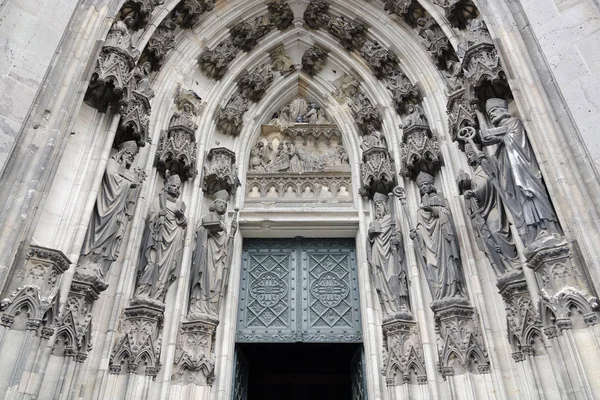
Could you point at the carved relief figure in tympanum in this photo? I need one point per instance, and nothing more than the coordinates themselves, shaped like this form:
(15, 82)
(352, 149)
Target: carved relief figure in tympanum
(386, 259)
(258, 157)
(488, 216)
(162, 243)
(212, 259)
(438, 243)
(521, 182)
(114, 207)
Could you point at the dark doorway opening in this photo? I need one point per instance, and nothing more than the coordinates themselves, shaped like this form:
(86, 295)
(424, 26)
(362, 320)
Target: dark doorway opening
(299, 371)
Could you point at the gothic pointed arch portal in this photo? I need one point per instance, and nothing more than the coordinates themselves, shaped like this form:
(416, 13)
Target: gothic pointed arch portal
(401, 131)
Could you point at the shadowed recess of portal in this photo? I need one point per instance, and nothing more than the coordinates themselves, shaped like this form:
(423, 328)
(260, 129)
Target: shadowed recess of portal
(299, 371)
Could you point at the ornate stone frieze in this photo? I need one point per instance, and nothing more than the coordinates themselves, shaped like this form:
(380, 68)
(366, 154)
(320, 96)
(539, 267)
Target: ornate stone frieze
(403, 352)
(114, 68)
(33, 291)
(382, 61)
(292, 188)
(138, 345)
(313, 60)
(139, 11)
(194, 354)
(460, 343)
(245, 36)
(377, 172)
(435, 41)
(254, 84)
(402, 90)
(220, 172)
(159, 44)
(231, 117)
(419, 149)
(481, 63)
(566, 293)
(214, 63)
(350, 33)
(281, 61)
(135, 108)
(522, 319)
(365, 114)
(188, 12)
(176, 150)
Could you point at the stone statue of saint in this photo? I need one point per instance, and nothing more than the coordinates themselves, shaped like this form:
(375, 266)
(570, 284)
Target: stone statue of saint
(373, 139)
(212, 259)
(524, 193)
(162, 243)
(485, 207)
(386, 259)
(437, 241)
(114, 207)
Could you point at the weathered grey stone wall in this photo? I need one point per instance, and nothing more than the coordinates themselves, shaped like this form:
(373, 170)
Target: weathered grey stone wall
(30, 31)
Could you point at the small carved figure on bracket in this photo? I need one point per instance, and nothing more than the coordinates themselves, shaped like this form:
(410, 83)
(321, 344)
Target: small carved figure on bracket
(212, 259)
(162, 243)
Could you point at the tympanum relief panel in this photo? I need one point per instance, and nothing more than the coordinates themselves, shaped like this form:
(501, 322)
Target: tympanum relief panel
(299, 158)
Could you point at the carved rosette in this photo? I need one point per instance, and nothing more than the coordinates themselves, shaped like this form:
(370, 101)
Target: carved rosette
(461, 113)
(33, 291)
(220, 172)
(382, 61)
(138, 345)
(159, 44)
(522, 319)
(313, 60)
(420, 152)
(564, 287)
(177, 148)
(254, 84)
(402, 90)
(188, 12)
(194, 357)
(404, 353)
(365, 114)
(114, 69)
(481, 64)
(377, 172)
(231, 117)
(460, 343)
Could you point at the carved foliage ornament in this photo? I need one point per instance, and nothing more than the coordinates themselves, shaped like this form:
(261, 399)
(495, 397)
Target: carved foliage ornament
(253, 84)
(382, 61)
(350, 33)
(458, 12)
(188, 12)
(139, 12)
(159, 44)
(313, 60)
(214, 63)
(231, 117)
(402, 90)
(365, 114)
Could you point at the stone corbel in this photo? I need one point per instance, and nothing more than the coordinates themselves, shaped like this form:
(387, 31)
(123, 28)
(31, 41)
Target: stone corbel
(220, 172)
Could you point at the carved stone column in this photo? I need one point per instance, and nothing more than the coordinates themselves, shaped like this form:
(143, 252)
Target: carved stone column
(522, 319)
(377, 172)
(194, 357)
(564, 287)
(220, 172)
(139, 340)
(404, 350)
(33, 291)
(460, 343)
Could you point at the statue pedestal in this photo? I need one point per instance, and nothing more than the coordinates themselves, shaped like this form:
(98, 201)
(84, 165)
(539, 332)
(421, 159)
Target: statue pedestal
(139, 342)
(460, 342)
(562, 282)
(194, 359)
(522, 320)
(404, 350)
(377, 172)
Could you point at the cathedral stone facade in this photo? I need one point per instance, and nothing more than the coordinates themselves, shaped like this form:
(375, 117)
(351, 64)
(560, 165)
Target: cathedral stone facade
(293, 199)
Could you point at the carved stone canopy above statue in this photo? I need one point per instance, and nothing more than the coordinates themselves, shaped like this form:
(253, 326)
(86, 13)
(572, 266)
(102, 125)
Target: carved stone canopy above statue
(220, 172)
(299, 157)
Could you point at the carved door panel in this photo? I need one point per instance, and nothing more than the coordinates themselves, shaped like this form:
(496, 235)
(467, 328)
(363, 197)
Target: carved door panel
(359, 387)
(240, 381)
(299, 290)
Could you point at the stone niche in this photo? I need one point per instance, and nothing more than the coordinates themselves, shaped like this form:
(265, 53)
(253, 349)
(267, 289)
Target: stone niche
(299, 159)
